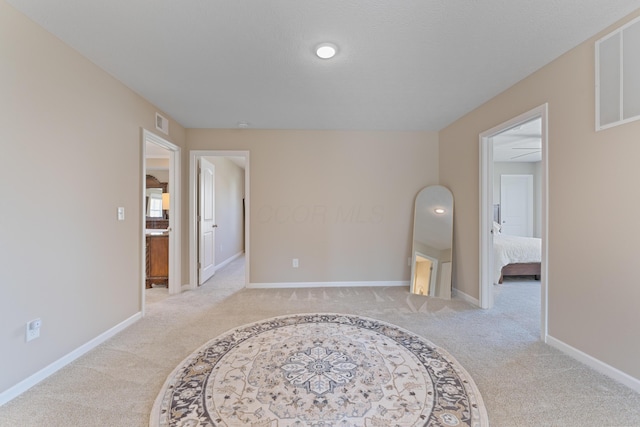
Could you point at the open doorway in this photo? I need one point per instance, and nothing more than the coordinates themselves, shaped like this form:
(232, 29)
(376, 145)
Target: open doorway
(218, 212)
(424, 278)
(160, 214)
(521, 138)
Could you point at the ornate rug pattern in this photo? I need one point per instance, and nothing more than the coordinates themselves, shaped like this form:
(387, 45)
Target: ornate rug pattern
(321, 370)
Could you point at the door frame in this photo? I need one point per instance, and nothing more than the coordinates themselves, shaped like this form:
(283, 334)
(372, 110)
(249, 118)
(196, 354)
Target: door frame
(173, 188)
(435, 265)
(194, 155)
(486, 210)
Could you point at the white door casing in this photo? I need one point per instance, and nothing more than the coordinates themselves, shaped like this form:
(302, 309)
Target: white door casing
(194, 235)
(207, 223)
(486, 211)
(174, 213)
(516, 205)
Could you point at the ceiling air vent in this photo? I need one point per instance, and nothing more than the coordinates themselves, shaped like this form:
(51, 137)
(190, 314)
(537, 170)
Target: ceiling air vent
(162, 124)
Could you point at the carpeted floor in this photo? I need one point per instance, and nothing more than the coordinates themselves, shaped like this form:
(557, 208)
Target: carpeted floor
(523, 382)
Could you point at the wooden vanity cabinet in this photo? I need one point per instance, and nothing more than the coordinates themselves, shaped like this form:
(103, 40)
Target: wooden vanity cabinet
(157, 260)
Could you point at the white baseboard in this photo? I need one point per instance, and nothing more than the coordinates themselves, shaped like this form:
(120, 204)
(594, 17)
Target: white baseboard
(468, 298)
(325, 284)
(592, 362)
(190, 287)
(34, 379)
(228, 260)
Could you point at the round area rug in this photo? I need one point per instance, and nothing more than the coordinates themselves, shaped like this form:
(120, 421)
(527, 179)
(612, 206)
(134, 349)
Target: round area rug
(322, 370)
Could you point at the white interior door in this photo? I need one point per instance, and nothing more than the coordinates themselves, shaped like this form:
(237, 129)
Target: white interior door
(206, 223)
(516, 205)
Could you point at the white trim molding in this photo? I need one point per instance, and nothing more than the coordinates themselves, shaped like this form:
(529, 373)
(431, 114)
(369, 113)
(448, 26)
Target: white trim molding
(455, 293)
(486, 210)
(598, 365)
(49, 370)
(305, 285)
(175, 221)
(228, 260)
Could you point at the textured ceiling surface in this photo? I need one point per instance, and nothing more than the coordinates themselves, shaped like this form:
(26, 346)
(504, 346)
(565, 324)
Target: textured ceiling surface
(522, 143)
(401, 65)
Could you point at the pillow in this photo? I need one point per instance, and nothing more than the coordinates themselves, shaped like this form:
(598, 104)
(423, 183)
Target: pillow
(496, 228)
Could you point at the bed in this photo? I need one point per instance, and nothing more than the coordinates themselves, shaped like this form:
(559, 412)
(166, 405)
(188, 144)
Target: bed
(514, 255)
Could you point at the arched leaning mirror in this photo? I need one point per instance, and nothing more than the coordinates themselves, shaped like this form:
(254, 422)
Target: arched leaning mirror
(432, 251)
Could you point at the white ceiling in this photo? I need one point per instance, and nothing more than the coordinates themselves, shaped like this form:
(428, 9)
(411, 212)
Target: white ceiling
(522, 143)
(410, 65)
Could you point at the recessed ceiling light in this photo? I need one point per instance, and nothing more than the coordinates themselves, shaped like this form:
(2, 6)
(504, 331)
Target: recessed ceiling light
(326, 50)
(439, 211)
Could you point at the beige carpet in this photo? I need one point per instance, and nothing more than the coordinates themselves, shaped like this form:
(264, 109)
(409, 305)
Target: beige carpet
(523, 382)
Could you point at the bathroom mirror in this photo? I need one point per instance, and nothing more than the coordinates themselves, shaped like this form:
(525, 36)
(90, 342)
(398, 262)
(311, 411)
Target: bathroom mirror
(432, 249)
(154, 202)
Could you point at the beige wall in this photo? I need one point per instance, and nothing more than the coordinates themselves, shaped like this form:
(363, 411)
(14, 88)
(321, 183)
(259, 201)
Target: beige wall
(160, 175)
(593, 207)
(63, 255)
(340, 202)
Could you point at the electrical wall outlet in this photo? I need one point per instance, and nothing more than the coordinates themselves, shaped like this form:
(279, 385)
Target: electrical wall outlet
(33, 329)
(295, 263)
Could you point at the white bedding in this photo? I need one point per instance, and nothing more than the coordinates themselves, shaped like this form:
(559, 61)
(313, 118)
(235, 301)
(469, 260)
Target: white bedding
(514, 249)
